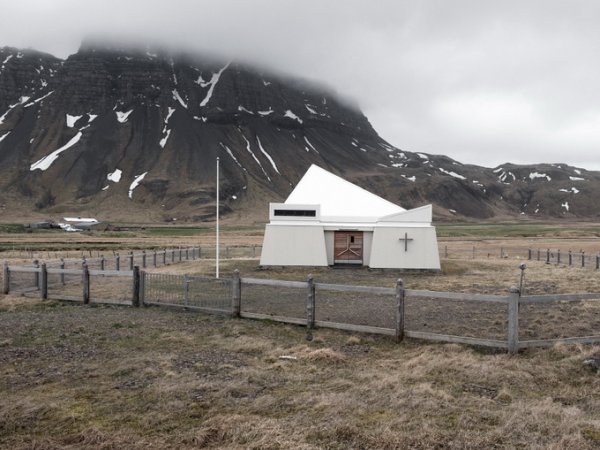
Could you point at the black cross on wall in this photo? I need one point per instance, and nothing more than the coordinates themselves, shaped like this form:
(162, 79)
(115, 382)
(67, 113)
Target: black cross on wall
(405, 239)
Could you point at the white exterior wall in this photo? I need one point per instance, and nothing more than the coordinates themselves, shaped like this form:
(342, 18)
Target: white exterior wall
(388, 251)
(329, 242)
(367, 246)
(293, 245)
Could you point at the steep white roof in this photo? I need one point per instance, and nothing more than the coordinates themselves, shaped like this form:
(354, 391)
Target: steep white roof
(339, 198)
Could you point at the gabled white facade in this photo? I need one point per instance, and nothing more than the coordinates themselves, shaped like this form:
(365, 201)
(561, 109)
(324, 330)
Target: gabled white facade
(327, 220)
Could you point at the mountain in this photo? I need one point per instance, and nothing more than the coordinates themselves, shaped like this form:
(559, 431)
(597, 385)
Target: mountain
(134, 135)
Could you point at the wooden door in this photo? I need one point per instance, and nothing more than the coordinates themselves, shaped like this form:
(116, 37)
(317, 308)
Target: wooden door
(348, 247)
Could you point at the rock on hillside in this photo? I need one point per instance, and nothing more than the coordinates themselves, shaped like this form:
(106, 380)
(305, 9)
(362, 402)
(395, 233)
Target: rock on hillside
(133, 135)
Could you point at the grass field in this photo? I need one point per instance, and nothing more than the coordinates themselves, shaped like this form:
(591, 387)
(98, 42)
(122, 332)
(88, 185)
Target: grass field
(116, 377)
(106, 377)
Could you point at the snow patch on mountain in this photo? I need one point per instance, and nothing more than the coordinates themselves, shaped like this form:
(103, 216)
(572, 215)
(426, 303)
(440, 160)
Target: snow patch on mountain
(242, 109)
(310, 110)
(310, 144)
(135, 183)
(177, 97)
(452, 174)
(47, 161)
(534, 175)
(264, 152)
(72, 119)
(212, 83)
(293, 116)
(164, 140)
(249, 150)
(573, 190)
(115, 176)
(230, 153)
(38, 99)
(123, 116)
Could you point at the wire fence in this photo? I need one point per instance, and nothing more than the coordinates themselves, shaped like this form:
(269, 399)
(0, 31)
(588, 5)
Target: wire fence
(164, 256)
(510, 321)
(565, 257)
(209, 294)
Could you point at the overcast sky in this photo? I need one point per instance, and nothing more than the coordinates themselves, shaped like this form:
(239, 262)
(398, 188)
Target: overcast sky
(483, 82)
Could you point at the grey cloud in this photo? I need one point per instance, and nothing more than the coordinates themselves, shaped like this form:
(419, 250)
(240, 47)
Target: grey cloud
(483, 82)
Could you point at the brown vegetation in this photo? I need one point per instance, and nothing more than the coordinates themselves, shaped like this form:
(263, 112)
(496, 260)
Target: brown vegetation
(108, 377)
(116, 377)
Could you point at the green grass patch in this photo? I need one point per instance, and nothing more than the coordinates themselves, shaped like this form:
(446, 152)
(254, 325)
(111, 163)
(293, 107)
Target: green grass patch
(516, 230)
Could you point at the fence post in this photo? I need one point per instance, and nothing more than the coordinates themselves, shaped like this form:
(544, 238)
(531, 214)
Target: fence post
(236, 294)
(558, 257)
(102, 261)
(86, 285)
(529, 254)
(179, 254)
(538, 254)
(582, 259)
(142, 287)
(165, 257)
(62, 275)
(310, 307)
(135, 300)
(36, 275)
(43, 282)
(6, 278)
(548, 256)
(187, 254)
(513, 320)
(399, 310)
(186, 290)
(173, 255)
(144, 259)
(473, 252)
(597, 262)
(445, 251)
(570, 257)
(130, 260)
(117, 262)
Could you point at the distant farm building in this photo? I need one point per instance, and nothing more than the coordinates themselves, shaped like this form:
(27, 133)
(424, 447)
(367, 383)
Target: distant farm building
(78, 223)
(327, 221)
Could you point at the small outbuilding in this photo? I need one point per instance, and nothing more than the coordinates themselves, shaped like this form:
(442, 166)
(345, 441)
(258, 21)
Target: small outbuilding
(327, 221)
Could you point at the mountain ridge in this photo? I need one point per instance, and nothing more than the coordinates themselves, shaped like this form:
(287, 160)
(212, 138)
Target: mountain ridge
(121, 133)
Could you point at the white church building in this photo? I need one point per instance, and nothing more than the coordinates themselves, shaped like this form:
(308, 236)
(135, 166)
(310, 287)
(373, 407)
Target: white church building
(327, 221)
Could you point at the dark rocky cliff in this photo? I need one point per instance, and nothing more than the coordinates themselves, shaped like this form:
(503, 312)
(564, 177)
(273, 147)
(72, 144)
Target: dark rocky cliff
(135, 134)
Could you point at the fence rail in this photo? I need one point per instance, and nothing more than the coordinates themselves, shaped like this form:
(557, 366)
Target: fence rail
(367, 309)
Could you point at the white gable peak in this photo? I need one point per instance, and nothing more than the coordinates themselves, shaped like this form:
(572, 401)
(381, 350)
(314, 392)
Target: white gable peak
(338, 197)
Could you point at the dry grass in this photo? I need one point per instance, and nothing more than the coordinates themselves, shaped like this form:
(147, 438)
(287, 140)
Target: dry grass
(106, 377)
(109, 377)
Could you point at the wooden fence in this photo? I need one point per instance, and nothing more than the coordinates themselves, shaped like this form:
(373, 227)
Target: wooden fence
(570, 258)
(164, 256)
(146, 290)
(126, 261)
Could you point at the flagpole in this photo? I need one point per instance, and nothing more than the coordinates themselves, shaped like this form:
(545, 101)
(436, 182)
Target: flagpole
(217, 250)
